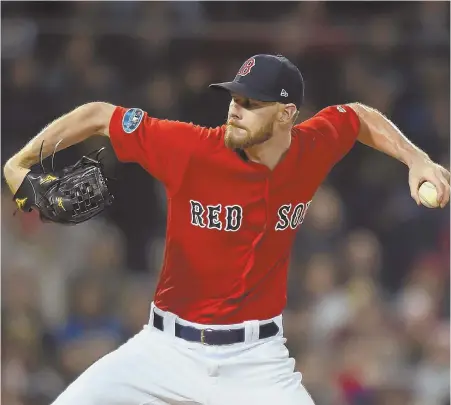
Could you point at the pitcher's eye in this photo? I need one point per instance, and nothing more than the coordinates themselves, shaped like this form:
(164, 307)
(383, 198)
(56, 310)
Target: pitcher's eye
(247, 102)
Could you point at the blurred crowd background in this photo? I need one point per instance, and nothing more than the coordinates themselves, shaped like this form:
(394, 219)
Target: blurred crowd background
(368, 300)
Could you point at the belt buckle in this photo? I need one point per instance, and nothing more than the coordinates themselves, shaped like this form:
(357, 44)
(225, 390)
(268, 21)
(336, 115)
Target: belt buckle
(202, 335)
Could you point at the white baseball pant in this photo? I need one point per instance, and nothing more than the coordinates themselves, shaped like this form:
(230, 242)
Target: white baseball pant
(157, 368)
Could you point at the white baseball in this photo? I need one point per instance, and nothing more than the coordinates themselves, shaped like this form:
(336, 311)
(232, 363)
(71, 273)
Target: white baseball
(428, 195)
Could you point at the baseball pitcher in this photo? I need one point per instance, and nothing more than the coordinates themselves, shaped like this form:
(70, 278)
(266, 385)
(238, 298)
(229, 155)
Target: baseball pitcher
(236, 195)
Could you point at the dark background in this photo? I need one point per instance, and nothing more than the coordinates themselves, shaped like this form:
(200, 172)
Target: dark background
(368, 313)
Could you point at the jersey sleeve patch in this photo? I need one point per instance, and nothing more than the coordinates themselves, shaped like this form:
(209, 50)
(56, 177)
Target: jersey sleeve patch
(132, 119)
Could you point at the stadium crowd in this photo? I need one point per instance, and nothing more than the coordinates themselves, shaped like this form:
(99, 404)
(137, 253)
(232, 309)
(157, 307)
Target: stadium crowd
(368, 301)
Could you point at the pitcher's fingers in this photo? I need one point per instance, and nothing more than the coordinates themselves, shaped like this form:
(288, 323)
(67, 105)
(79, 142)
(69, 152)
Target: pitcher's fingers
(414, 187)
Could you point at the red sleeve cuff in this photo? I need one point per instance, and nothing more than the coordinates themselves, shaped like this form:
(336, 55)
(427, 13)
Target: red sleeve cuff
(117, 134)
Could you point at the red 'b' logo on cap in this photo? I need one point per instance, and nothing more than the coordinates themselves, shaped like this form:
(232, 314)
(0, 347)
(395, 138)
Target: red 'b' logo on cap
(246, 68)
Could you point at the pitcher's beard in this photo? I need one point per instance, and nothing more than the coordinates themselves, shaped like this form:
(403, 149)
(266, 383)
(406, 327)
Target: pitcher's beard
(233, 141)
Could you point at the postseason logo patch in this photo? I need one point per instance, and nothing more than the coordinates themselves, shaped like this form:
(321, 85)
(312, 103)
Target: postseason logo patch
(132, 118)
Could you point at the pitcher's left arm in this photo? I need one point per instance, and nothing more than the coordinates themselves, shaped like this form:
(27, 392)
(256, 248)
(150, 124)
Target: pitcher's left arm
(378, 132)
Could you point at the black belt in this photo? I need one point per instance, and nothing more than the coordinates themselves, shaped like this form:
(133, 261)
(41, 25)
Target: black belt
(215, 337)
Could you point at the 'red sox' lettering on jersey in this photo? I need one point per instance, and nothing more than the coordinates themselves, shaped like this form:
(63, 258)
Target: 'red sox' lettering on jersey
(208, 217)
(289, 218)
(231, 223)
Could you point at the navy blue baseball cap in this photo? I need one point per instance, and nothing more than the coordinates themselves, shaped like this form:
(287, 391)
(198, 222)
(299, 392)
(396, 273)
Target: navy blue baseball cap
(267, 78)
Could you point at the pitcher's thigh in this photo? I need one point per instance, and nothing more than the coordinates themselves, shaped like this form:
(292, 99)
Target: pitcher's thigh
(137, 373)
(107, 382)
(281, 395)
(264, 395)
(263, 375)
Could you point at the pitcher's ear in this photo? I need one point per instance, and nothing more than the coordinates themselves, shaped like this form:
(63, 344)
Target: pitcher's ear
(288, 113)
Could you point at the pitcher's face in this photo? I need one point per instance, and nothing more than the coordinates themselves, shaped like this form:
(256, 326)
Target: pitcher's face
(250, 122)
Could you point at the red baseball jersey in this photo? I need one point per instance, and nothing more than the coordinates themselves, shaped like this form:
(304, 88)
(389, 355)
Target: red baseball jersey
(231, 223)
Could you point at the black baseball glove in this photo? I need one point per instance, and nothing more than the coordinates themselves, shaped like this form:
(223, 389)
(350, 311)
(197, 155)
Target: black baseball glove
(69, 196)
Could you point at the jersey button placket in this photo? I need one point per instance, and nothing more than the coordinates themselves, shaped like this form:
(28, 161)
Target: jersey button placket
(267, 205)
